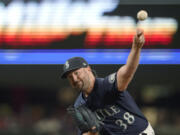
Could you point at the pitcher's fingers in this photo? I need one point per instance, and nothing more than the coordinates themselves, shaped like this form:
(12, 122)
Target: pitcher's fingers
(139, 32)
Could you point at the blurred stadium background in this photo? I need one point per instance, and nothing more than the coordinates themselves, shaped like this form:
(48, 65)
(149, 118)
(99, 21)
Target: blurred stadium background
(37, 36)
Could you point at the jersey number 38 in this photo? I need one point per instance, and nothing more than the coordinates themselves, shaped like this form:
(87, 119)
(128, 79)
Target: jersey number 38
(128, 118)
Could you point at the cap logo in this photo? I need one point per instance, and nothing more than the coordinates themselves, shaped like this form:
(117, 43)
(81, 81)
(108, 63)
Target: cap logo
(84, 64)
(66, 65)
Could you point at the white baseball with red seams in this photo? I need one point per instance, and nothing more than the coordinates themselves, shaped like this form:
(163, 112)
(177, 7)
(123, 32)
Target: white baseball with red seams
(142, 15)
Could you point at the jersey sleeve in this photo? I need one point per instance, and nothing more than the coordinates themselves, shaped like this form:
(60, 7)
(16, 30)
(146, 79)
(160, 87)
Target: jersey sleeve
(79, 132)
(110, 83)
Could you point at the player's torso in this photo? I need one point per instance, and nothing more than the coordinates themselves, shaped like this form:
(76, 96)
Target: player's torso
(117, 118)
(117, 111)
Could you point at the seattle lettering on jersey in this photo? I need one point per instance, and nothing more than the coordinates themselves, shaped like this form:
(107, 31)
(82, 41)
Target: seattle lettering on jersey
(102, 114)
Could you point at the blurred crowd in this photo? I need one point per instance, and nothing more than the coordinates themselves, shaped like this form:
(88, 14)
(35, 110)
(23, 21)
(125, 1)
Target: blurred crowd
(35, 120)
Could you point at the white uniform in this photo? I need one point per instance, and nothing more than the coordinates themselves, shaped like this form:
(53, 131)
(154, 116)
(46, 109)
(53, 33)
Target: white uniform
(148, 131)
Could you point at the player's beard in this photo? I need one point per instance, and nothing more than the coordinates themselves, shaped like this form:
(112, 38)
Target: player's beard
(80, 86)
(85, 84)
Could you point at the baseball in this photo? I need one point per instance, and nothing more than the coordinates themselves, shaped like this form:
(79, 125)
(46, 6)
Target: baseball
(142, 15)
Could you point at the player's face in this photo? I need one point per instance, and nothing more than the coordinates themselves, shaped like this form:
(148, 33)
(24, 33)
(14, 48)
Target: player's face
(79, 79)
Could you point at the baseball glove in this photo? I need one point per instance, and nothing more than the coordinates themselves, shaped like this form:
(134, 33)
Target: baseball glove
(84, 118)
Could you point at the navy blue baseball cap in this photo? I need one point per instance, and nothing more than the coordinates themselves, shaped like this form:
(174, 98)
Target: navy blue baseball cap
(73, 64)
